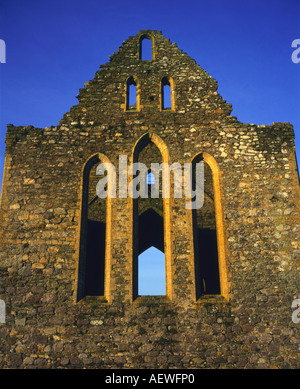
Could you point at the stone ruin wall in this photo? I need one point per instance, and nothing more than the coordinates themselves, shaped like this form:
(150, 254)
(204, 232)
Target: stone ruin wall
(249, 326)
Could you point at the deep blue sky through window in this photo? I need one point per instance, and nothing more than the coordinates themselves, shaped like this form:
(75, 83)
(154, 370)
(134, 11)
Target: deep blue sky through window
(53, 47)
(131, 95)
(146, 50)
(167, 96)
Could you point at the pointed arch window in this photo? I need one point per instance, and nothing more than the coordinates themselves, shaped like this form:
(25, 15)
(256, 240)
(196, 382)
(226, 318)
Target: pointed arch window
(206, 257)
(94, 233)
(150, 221)
(208, 232)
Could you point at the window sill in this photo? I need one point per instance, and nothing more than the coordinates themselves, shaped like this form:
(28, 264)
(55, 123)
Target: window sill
(151, 300)
(99, 300)
(212, 298)
(213, 302)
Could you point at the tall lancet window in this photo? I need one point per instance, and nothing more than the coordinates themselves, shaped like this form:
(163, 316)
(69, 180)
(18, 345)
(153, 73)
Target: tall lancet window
(205, 236)
(149, 276)
(91, 272)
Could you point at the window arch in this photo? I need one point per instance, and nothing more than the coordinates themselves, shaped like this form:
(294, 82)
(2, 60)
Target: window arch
(151, 217)
(95, 234)
(146, 52)
(208, 232)
(167, 100)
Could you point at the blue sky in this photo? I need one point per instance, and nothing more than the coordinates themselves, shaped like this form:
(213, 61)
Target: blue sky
(53, 47)
(151, 272)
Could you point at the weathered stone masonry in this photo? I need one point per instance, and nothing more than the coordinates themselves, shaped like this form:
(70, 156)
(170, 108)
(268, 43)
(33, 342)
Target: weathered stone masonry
(255, 196)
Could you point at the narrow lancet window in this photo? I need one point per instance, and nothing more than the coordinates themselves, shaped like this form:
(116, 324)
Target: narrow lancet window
(149, 257)
(205, 237)
(131, 94)
(146, 51)
(92, 237)
(166, 94)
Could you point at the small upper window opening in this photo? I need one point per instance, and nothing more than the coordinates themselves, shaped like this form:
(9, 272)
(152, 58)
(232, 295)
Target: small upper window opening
(131, 94)
(166, 94)
(146, 53)
(150, 179)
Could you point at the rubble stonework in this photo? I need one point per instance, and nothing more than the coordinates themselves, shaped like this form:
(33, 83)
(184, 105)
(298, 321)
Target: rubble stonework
(248, 325)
